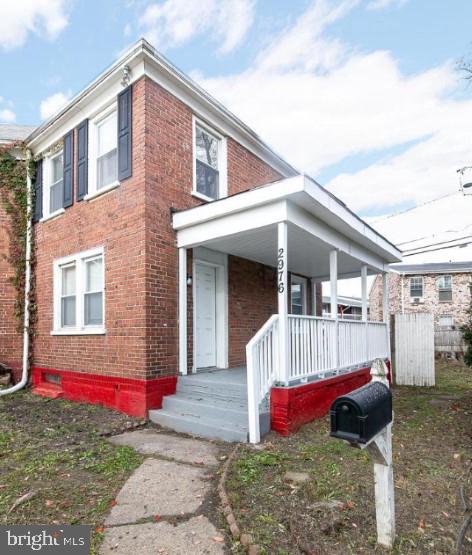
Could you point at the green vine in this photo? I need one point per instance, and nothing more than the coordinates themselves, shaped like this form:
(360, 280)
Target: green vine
(14, 198)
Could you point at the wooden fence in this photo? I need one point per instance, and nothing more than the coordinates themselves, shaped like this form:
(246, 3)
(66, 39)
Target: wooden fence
(414, 349)
(449, 341)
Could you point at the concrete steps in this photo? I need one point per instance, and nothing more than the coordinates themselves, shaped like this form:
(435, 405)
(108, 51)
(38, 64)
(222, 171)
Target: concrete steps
(212, 405)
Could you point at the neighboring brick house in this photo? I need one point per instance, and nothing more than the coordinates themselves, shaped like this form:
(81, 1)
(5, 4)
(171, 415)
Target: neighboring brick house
(442, 289)
(159, 221)
(10, 337)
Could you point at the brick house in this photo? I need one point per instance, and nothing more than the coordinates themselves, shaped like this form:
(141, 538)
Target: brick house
(160, 220)
(442, 289)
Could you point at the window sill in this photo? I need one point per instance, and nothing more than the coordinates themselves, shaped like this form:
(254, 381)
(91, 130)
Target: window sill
(102, 191)
(201, 196)
(52, 216)
(82, 331)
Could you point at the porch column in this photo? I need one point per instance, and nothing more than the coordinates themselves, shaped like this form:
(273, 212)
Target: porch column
(182, 310)
(282, 299)
(333, 274)
(364, 310)
(364, 292)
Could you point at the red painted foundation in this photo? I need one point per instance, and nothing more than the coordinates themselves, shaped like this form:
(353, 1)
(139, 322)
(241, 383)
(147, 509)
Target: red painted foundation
(291, 407)
(133, 397)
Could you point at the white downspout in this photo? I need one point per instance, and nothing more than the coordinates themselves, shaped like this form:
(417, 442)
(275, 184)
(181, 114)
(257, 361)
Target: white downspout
(26, 320)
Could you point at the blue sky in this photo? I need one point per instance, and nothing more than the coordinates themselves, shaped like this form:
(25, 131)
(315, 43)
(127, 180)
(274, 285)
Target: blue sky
(361, 94)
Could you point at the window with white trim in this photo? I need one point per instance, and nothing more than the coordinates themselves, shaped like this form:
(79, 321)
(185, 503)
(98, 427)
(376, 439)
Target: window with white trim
(298, 295)
(53, 191)
(445, 288)
(79, 293)
(416, 287)
(209, 180)
(446, 321)
(103, 151)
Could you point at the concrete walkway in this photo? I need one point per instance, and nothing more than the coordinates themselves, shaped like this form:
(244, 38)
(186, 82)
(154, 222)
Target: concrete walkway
(163, 507)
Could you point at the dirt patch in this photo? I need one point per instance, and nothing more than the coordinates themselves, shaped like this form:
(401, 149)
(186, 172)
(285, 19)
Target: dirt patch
(57, 452)
(333, 512)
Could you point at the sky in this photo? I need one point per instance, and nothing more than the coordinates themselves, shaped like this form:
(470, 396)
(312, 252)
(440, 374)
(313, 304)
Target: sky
(363, 95)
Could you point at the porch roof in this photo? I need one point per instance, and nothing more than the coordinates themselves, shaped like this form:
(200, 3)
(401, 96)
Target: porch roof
(245, 225)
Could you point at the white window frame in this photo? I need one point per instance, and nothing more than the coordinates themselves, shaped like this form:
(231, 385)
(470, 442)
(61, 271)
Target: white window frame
(93, 151)
(47, 177)
(439, 288)
(304, 283)
(222, 160)
(79, 259)
(422, 287)
(450, 326)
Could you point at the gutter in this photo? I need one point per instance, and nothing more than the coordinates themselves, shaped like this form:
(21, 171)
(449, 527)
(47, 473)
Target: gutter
(26, 319)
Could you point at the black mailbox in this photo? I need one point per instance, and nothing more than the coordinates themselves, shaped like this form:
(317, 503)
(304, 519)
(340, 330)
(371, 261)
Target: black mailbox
(360, 415)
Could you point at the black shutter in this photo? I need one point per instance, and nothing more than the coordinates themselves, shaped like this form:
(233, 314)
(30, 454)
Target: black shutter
(124, 134)
(82, 159)
(68, 157)
(38, 192)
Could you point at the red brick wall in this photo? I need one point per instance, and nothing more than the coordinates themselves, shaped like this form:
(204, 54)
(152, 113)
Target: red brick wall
(11, 342)
(169, 185)
(115, 221)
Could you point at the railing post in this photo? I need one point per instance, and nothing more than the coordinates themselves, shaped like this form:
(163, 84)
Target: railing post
(182, 310)
(253, 396)
(333, 275)
(282, 297)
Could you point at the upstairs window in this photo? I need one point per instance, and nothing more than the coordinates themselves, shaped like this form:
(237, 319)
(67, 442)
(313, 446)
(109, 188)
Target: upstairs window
(416, 287)
(53, 191)
(445, 288)
(79, 294)
(107, 151)
(209, 163)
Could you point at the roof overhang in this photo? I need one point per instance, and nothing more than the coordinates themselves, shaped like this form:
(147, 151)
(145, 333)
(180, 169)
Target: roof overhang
(244, 224)
(143, 59)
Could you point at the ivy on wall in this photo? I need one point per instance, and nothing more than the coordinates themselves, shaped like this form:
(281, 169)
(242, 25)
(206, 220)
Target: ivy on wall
(13, 196)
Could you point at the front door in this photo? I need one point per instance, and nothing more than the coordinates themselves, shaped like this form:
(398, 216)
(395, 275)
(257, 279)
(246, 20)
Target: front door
(205, 315)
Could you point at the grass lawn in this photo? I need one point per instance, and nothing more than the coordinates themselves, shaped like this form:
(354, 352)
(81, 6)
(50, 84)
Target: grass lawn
(432, 450)
(56, 451)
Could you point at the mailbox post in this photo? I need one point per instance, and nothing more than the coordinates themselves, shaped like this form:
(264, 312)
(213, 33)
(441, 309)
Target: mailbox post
(364, 418)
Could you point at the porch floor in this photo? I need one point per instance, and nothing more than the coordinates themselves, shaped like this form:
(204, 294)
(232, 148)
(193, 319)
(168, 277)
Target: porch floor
(211, 403)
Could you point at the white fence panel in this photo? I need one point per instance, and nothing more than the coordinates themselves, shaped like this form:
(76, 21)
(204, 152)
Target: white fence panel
(414, 349)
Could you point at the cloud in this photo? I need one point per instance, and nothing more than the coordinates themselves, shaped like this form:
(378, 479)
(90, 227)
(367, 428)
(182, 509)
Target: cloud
(42, 17)
(175, 22)
(7, 116)
(319, 109)
(52, 104)
(383, 4)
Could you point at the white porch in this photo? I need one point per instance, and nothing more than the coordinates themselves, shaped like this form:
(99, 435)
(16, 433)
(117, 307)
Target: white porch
(296, 226)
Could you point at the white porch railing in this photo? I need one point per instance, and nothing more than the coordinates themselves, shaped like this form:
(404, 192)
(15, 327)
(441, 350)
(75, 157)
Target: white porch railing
(317, 346)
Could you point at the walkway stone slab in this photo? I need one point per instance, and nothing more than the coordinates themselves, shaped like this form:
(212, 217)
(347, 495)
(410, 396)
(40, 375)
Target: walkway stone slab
(159, 487)
(182, 449)
(197, 535)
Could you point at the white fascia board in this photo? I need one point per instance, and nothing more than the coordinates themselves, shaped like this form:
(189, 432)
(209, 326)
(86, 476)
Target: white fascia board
(238, 203)
(348, 218)
(232, 224)
(332, 237)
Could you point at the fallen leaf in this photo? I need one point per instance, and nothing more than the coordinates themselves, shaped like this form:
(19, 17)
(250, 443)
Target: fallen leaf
(157, 518)
(49, 503)
(350, 505)
(112, 502)
(421, 524)
(218, 539)
(99, 529)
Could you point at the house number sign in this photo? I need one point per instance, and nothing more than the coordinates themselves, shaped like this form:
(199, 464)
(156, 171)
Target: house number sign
(280, 269)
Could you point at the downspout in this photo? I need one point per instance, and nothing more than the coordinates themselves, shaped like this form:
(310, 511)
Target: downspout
(403, 296)
(26, 319)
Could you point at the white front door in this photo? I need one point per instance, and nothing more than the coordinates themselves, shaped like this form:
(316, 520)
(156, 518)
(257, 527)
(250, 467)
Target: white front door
(205, 315)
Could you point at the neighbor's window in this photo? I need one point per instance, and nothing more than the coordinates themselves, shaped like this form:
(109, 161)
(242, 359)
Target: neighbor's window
(79, 293)
(446, 321)
(210, 163)
(416, 287)
(445, 288)
(298, 295)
